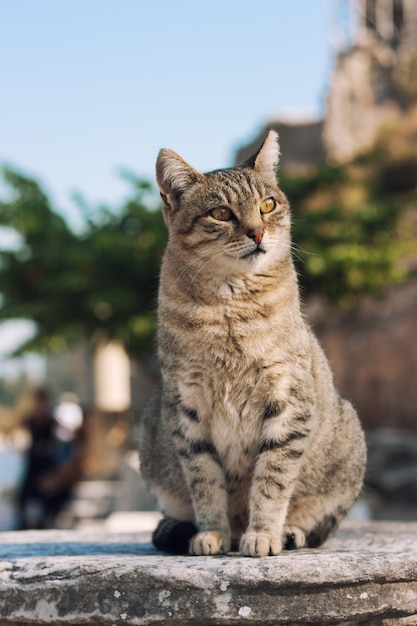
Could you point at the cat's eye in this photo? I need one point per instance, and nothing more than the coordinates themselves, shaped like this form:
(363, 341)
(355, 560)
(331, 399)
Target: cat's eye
(267, 205)
(222, 214)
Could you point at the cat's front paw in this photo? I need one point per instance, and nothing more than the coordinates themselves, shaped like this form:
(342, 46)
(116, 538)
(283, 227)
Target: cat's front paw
(209, 542)
(260, 544)
(293, 537)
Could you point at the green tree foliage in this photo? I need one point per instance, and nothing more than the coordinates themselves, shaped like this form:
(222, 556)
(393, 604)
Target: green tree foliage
(354, 224)
(354, 228)
(99, 283)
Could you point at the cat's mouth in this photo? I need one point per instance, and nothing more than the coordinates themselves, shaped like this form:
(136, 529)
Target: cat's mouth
(254, 252)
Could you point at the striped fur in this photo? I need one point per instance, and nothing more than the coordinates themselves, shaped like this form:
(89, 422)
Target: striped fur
(248, 440)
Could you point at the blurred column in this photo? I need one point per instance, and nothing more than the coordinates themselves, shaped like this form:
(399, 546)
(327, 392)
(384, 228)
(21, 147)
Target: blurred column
(112, 378)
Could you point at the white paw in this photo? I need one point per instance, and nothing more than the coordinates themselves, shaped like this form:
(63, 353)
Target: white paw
(260, 544)
(293, 537)
(209, 542)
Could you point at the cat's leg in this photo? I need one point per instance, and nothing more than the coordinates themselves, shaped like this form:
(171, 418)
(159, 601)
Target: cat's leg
(314, 518)
(176, 529)
(284, 436)
(323, 496)
(311, 520)
(173, 535)
(207, 485)
(208, 492)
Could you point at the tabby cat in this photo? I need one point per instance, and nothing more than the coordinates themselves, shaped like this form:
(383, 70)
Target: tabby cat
(248, 444)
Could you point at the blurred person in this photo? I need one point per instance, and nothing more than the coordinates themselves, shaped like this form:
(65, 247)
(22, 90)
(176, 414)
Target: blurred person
(52, 461)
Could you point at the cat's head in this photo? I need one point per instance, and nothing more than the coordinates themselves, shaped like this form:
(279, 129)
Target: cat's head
(237, 218)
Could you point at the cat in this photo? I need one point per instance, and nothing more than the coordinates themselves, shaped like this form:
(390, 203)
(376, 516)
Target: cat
(247, 445)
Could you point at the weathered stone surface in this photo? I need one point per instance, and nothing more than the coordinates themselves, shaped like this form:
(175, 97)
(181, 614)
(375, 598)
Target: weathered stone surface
(367, 574)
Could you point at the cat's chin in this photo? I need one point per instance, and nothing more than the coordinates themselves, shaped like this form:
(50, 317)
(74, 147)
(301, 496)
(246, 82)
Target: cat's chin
(270, 259)
(256, 260)
(253, 254)
(247, 263)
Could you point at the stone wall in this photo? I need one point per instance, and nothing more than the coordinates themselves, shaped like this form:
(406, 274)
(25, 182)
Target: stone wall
(361, 97)
(373, 353)
(363, 92)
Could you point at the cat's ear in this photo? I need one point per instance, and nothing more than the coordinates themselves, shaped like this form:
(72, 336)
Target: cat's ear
(266, 160)
(173, 176)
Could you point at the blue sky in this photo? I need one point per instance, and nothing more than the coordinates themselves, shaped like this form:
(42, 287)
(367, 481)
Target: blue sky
(89, 87)
(92, 86)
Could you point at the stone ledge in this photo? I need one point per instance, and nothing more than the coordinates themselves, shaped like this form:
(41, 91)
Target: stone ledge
(367, 574)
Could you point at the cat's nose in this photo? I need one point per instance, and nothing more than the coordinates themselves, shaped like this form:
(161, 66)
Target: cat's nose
(256, 234)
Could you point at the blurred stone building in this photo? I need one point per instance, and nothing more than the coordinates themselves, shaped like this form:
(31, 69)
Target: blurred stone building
(374, 41)
(366, 82)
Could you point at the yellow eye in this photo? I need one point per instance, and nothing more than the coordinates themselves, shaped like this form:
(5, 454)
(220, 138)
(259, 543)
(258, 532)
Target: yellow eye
(222, 214)
(267, 205)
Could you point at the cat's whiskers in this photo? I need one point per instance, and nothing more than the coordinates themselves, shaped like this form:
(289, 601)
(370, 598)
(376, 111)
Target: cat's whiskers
(298, 253)
(288, 247)
(234, 250)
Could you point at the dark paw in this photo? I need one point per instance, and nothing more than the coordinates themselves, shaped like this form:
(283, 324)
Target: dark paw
(172, 535)
(289, 542)
(293, 537)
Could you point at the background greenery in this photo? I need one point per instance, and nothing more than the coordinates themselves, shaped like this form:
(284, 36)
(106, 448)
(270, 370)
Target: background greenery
(355, 224)
(354, 228)
(97, 282)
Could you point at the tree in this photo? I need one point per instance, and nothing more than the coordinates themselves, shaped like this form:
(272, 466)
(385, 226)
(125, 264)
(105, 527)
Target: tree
(353, 223)
(99, 283)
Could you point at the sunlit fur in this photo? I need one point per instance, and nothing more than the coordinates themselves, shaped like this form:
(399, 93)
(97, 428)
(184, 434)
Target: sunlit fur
(248, 438)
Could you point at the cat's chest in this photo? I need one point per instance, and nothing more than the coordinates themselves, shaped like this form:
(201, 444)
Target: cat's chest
(230, 337)
(223, 385)
(235, 437)
(231, 418)
(229, 405)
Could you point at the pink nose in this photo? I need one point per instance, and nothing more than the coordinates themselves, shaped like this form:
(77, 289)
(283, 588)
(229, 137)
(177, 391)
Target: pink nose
(256, 234)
